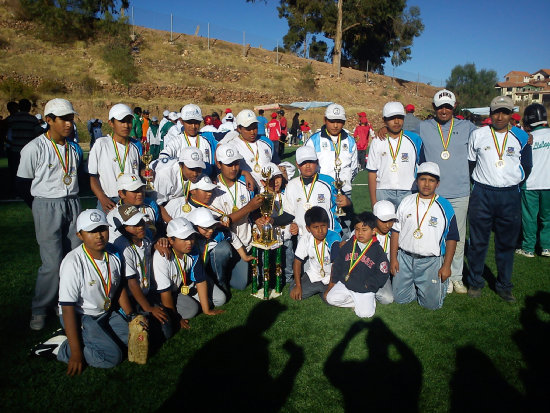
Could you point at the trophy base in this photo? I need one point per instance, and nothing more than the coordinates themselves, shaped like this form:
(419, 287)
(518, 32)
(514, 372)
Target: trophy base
(272, 294)
(340, 214)
(273, 245)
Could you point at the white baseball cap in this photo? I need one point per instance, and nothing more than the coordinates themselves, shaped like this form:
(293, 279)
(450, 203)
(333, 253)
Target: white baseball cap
(275, 171)
(384, 211)
(444, 97)
(202, 217)
(428, 168)
(154, 119)
(245, 118)
(173, 116)
(289, 169)
(191, 112)
(180, 228)
(192, 157)
(393, 109)
(130, 215)
(166, 113)
(120, 111)
(226, 153)
(128, 182)
(229, 116)
(59, 107)
(335, 111)
(90, 219)
(305, 153)
(205, 183)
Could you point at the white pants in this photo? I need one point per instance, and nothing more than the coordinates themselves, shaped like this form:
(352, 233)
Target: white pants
(364, 303)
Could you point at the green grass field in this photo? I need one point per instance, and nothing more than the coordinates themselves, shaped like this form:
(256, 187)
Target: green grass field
(472, 355)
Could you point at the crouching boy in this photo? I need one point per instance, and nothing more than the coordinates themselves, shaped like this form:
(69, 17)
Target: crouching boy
(423, 243)
(359, 270)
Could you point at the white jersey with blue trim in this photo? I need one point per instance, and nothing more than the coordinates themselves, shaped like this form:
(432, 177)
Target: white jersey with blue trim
(39, 162)
(305, 251)
(540, 174)
(262, 148)
(438, 226)
(323, 194)
(482, 150)
(167, 181)
(134, 258)
(175, 146)
(324, 145)
(407, 159)
(167, 275)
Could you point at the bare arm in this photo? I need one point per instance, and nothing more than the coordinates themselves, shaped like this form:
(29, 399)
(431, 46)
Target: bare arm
(158, 312)
(372, 188)
(296, 293)
(445, 270)
(103, 199)
(394, 246)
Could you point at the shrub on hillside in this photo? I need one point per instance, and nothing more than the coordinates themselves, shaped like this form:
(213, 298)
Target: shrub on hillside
(12, 89)
(121, 63)
(89, 85)
(306, 84)
(52, 87)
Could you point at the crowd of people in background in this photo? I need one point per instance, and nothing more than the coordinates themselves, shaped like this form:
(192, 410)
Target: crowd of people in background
(179, 249)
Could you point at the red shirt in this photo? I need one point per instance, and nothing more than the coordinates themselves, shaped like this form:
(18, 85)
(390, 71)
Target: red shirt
(283, 124)
(362, 132)
(273, 130)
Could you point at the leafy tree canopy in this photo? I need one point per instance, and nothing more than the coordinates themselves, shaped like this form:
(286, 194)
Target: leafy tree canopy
(472, 88)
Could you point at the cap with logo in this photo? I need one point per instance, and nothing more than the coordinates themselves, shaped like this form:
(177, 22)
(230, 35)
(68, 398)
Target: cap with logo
(335, 111)
(202, 217)
(502, 102)
(246, 118)
(180, 228)
(192, 157)
(205, 183)
(393, 109)
(130, 215)
(191, 112)
(226, 153)
(90, 219)
(430, 168)
(173, 116)
(59, 107)
(444, 97)
(384, 211)
(128, 182)
(305, 153)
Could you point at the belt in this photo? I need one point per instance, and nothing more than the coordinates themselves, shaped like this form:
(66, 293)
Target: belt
(413, 255)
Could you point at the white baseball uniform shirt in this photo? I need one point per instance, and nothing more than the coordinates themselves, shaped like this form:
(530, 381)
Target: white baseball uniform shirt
(539, 179)
(261, 148)
(134, 258)
(305, 251)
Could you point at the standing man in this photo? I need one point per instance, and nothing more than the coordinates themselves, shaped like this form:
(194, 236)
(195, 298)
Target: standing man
(136, 131)
(501, 159)
(411, 121)
(262, 122)
(284, 132)
(362, 133)
(273, 129)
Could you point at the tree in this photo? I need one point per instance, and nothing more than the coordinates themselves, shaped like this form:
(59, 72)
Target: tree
(472, 88)
(371, 30)
(318, 49)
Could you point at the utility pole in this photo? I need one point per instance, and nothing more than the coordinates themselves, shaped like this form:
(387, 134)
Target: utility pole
(337, 57)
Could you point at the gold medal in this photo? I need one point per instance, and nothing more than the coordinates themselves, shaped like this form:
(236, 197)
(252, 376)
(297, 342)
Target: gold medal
(107, 304)
(67, 180)
(338, 162)
(307, 206)
(120, 174)
(445, 155)
(186, 208)
(257, 169)
(235, 208)
(185, 289)
(145, 283)
(393, 167)
(322, 272)
(417, 233)
(500, 163)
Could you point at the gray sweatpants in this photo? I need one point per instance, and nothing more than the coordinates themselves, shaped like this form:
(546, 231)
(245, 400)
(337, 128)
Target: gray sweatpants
(55, 227)
(188, 306)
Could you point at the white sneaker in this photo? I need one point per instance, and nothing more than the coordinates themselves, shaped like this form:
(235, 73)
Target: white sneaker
(50, 347)
(459, 287)
(38, 321)
(545, 253)
(450, 287)
(527, 254)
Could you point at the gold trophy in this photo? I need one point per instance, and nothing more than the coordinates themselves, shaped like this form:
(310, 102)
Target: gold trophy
(338, 184)
(147, 158)
(264, 237)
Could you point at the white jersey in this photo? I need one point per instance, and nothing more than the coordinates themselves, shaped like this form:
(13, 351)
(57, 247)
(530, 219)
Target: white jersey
(174, 207)
(226, 126)
(172, 133)
(175, 146)
(237, 195)
(153, 138)
(40, 162)
(80, 285)
(259, 152)
(208, 128)
(103, 161)
(384, 240)
(306, 251)
(539, 179)
(167, 274)
(168, 180)
(482, 150)
(138, 261)
(407, 157)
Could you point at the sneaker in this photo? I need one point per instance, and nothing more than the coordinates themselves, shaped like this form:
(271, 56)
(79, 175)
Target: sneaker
(527, 254)
(50, 347)
(459, 287)
(474, 292)
(545, 253)
(450, 287)
(507, 296)
(38, 321)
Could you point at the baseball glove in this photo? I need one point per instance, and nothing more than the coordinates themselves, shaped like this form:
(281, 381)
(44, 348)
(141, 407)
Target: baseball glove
(138, 340)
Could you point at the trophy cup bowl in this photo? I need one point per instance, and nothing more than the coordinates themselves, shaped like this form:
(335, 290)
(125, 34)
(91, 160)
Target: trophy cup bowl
(339, 184)
(147, 158)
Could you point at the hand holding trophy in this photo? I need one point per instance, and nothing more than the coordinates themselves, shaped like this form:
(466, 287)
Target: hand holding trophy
(147, 158)
(338, 184)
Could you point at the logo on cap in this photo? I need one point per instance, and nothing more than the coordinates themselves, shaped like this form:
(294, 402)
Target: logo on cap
(195, 156)
(445, 94)
(134, 178)
(229, 153)
(336, 111)
(95, 217)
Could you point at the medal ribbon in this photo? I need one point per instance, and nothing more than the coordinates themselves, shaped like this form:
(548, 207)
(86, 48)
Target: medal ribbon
(142, 264)
(185, 189)
(310, 188)
(183, 274)
(106, 285)
(189, 142)
(338, 145)
(65, 165)
(234, 198)
(257, 155)
(320, 258)
(445, 143)
(495, 141)
(219, 211)
(352, 263)
(425, 213)
(392, 153)
(205, 252)
(385, 240)
(126, 150)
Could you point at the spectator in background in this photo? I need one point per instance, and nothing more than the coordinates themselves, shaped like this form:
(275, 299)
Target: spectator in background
(216, 122)
(294, 129)
(94, 129)
(411, 122)
(515, 120)
(43, 124)
(153, 137)
(144, 124)
(13, 108)
(284, 132)
(208, 127)
(362, 133)
(164, 119)
(274, 132)
(262, 122)
(305, 130)
(136, 131)
(228, 124)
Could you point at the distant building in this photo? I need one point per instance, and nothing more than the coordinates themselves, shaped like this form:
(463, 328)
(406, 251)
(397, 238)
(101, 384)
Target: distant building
(525, 88)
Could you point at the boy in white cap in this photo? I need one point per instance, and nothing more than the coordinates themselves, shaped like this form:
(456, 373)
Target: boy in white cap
(200, 195)
(112, 156)
(90, 277)
(384, 211)
(183, 286)
(500, 159)
(392, 162)
(236, 203)
(173, 178)
(191, 117)
(423, 243)
(335, 147)
(48, 182)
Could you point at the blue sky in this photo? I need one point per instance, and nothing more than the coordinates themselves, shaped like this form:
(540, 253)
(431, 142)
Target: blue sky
(502, 35)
